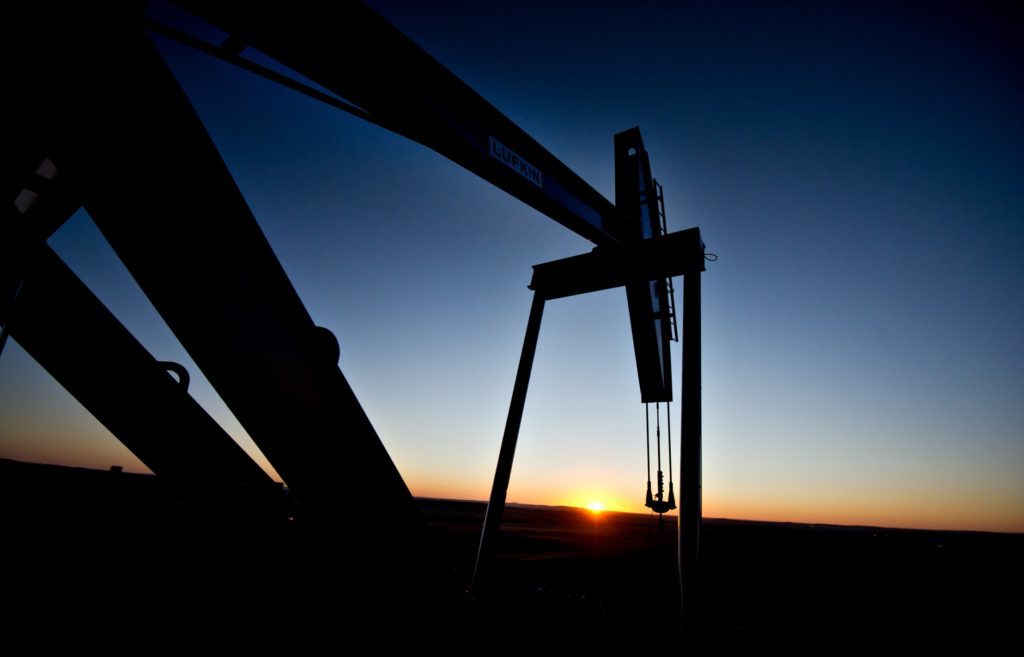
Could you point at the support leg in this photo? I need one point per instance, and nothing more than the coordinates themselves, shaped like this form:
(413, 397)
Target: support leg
(690, 453)
(496, 506)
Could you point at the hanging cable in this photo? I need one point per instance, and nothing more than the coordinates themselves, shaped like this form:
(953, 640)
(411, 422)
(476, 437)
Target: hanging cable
(660, 496)
(657, 415)
(668, 428)
(659, 504)
(647, 418)
(668, 441)
(647, 421)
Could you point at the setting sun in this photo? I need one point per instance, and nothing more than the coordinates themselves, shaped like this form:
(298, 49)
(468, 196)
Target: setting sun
(596, 507)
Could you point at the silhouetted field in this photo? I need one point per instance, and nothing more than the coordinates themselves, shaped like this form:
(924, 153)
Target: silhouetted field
(760, 581)
(109, 545)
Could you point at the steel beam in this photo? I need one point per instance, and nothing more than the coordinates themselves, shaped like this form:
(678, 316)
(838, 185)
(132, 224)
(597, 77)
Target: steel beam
(649, 314)
(153, 182)
(385, 78)
(352, 51)
(503, 472)
(156, 187)
(606, 267)
(68, 331)
(690, 488)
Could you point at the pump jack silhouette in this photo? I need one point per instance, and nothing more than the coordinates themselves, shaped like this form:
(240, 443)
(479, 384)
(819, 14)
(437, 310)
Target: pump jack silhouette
(100, 122)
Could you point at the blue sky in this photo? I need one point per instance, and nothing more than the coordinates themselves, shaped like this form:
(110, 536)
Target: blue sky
(859, 170)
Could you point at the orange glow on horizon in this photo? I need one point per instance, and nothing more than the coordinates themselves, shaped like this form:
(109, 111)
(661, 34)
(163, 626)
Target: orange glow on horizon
(595, 507)
(910, 514)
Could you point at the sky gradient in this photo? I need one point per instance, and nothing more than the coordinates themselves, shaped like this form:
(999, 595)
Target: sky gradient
(858, 169)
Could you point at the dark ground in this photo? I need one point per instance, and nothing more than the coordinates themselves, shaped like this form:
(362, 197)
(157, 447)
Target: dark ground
(101, 547)
(777, 583)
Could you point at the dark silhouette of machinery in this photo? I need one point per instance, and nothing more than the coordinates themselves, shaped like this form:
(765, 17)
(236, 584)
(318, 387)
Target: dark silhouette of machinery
(100, 122)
